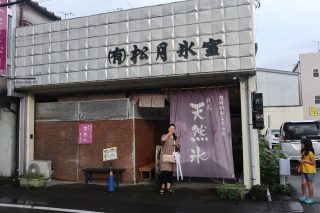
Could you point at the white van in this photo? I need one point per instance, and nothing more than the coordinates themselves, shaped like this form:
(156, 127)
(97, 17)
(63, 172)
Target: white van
(291, 134)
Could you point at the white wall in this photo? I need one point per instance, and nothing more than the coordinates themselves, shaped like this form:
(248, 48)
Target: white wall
(7, 145)
(278, 88)
(281, 114)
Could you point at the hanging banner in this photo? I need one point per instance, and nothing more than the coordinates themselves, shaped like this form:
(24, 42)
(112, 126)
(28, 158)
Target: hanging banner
(3, 38)
(202, 119)
(85, 134)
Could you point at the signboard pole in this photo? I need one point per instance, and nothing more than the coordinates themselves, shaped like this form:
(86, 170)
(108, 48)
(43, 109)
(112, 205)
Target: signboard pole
(110, 154)
(111, 180)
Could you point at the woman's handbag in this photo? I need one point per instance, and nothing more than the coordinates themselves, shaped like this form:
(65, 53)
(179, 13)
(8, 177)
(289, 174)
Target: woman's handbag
(168, 158)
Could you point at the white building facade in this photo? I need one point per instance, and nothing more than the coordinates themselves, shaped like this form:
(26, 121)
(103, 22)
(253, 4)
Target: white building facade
(308, 67)
(190, 43)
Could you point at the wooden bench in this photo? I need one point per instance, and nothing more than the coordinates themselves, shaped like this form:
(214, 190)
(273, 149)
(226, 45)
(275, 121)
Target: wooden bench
(117, 173)
(148, 170)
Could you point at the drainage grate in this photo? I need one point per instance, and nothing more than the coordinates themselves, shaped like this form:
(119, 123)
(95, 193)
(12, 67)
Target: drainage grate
(285, 206)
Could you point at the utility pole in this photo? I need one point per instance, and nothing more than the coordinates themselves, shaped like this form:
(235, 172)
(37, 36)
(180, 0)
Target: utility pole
(318, 42)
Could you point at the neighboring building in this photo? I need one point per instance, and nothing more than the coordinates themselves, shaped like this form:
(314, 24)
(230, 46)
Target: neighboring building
(112, 80)
(28, 13)
(291, 95)
(31, 13)
(309, 67)
(281, 96)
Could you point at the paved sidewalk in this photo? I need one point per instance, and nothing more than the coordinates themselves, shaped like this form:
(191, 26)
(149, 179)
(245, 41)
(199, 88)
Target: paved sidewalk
(295, 180)
(189, 197)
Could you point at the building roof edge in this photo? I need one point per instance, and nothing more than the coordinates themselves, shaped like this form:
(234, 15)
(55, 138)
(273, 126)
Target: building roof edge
(43, 10)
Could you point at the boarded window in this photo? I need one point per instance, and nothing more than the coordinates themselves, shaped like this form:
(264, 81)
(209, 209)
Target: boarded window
(113, 109)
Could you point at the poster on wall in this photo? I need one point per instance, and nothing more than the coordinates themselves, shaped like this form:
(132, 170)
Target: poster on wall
(3, 38)
(202, 119)
(85, 134)
(314, 111)
(110, 154)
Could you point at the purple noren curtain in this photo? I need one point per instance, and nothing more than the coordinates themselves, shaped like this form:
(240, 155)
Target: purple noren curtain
(202, 119)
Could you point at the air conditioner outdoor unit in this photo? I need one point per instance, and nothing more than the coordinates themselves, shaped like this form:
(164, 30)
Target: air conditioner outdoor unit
(42, 166)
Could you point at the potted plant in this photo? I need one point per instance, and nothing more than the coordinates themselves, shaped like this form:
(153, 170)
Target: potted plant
(32, 179)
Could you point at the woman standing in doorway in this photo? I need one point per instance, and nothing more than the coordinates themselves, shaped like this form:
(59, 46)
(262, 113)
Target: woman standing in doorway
(169, 145)
(308, 170)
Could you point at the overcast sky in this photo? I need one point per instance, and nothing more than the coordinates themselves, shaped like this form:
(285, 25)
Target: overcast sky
(283, 28)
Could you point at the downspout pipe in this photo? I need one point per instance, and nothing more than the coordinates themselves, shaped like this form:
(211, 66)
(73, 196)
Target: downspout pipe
(133, 143)
(20, 144)
(250, 129)
(10, 80)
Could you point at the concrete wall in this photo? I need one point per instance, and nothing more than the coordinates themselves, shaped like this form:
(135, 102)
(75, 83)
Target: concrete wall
(7, 142)
(310, 85)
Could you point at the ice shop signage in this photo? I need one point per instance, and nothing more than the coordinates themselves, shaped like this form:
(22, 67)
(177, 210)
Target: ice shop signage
(119, 55)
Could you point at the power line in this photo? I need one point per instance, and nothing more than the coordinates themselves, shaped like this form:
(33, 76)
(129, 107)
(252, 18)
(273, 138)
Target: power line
(129, 4)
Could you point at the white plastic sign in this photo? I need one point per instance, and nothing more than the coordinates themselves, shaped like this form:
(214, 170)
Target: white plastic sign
(284, 167)
(110, 154)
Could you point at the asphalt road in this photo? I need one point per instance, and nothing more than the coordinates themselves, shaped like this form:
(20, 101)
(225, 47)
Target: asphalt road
(138, 198)
(126, 199)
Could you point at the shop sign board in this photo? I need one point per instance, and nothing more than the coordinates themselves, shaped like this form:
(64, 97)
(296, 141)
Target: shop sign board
(85, 134)
(175, 39)
(3, 38)
(110, 154)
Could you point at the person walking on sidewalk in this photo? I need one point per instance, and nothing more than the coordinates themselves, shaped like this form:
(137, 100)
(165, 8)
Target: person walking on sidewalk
(308, 170)
(169, 145)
